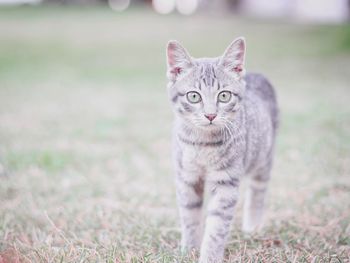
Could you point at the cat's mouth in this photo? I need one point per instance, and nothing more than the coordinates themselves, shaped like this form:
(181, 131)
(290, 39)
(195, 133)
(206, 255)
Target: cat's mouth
(210, 125)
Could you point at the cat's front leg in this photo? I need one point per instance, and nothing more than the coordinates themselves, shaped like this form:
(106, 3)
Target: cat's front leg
(189, 190)
(224, 196)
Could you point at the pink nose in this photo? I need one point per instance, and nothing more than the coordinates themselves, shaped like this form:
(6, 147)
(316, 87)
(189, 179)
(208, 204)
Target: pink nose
(210, 117)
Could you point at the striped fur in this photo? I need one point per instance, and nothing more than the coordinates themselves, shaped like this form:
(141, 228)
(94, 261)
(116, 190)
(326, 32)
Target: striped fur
(217, 154)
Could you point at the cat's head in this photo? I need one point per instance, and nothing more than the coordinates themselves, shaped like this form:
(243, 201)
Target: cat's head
(206, 92)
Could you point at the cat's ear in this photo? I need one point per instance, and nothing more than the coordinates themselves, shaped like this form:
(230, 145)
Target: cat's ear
(233, 58)
(178, 60)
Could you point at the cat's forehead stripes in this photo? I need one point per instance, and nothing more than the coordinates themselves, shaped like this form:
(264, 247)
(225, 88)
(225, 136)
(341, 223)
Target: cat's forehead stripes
(207, 77)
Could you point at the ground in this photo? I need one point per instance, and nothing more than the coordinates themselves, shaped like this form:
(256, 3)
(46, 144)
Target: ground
(85, 126)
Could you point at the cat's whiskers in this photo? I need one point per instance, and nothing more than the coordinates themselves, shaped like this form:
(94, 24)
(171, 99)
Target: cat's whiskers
(227, 125)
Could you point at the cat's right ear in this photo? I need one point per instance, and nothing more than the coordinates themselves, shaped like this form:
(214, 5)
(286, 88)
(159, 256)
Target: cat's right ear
(233, 59)
(178, 60)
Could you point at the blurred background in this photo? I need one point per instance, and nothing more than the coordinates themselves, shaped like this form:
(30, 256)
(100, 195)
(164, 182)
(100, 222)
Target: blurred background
(85, 127)
(324, 11)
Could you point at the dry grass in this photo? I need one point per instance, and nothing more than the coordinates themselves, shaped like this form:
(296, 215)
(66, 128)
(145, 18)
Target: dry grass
(85, 166)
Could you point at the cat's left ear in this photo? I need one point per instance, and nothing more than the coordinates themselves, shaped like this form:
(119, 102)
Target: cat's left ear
(178, 60)
(233, 59)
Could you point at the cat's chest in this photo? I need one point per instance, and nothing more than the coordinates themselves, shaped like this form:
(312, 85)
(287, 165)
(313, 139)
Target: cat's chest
(201, 155)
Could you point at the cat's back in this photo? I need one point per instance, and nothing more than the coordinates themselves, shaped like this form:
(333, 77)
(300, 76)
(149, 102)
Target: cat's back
(261, 121)
(260, 90)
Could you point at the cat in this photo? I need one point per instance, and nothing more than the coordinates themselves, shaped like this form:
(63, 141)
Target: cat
(224, 129)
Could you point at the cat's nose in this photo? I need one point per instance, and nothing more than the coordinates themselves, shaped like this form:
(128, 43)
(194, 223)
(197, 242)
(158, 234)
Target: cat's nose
(210, 117)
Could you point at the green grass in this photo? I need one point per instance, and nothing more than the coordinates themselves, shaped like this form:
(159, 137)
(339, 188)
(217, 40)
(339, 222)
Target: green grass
(85, 124)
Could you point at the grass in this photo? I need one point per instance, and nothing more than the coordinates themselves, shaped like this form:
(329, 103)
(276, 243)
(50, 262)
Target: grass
(85, 124)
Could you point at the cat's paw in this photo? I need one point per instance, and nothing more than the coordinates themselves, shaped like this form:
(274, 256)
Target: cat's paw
(250, 228)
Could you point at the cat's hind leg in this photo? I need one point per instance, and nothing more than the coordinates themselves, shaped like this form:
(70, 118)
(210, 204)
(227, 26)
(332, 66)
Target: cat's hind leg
(255, 198)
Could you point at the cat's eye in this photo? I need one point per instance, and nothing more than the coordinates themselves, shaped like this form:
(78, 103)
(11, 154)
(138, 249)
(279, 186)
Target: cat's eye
(224, 96)
(193, 97)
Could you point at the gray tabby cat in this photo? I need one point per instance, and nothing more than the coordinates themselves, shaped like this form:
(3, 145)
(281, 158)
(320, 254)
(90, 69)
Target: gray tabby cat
(225, 127)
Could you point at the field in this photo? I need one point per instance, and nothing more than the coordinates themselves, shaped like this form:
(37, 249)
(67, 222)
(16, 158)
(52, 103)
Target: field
(85, 126)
